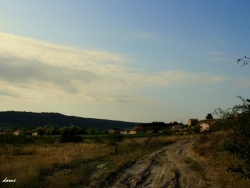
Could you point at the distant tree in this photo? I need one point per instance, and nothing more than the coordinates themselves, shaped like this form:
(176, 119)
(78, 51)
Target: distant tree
(50, 130)
(39, 131)
(74, 129)
(175, 123)
(69, 134)
(82, 130)
(209, 116)
(91, 131)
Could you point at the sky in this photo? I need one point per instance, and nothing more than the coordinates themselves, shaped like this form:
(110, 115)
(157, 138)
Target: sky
(136, 61)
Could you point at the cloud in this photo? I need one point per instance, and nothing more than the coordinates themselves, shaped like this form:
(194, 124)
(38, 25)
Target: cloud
(18, 70)
(219, 57)
(37, 71)
(217, 53)
(4, 93)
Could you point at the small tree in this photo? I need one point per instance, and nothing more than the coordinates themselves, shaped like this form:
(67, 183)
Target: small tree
(50, 130)
(69, 134)
(209, 116)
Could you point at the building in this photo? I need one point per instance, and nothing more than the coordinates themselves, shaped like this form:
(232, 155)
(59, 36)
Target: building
(204, 127)
(132, 132)
(124, 132)
(34, 133)
(137, 130)
(192, 122)
(18, 132)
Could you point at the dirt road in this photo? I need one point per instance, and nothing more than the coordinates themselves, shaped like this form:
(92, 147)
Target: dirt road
(173, 166)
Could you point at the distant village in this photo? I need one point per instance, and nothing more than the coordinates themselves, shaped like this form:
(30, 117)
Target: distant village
(202, 125)
(193, 126)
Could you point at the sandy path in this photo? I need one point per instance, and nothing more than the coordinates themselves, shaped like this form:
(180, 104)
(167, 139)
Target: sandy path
(173, 166)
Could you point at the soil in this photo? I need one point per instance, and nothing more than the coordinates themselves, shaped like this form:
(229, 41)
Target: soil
(173, 166)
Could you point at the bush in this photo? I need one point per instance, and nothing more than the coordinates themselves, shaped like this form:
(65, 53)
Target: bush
(239, 118)
(69, 135)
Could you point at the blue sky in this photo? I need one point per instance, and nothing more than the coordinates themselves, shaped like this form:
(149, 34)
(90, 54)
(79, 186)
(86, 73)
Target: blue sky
(127, 60)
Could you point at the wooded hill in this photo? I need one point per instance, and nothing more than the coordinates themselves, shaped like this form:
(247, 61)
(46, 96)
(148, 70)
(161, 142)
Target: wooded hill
(15, 119)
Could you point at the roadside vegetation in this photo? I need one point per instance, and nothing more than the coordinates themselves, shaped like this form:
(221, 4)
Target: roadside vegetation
(226, 146)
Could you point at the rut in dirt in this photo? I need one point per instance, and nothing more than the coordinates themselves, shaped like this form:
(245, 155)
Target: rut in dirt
(168, 167)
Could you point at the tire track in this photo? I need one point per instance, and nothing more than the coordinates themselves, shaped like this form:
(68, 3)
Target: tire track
(169, 167)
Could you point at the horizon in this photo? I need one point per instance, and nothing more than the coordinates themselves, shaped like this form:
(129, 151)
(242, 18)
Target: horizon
(86, 117)
(134, 61)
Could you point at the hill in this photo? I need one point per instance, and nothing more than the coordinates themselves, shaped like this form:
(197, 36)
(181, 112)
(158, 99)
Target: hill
(15, 119)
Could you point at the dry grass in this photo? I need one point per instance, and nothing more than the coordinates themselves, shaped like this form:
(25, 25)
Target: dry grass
(210, 147)
(30, 165)
(67, 165)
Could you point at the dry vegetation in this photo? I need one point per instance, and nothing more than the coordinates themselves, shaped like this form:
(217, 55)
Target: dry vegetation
(79, 164)
(32, 165)
(69, 164)
(211, 148)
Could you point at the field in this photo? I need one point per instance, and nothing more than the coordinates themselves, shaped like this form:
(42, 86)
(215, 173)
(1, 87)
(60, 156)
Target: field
(71, 164)
(49, 163)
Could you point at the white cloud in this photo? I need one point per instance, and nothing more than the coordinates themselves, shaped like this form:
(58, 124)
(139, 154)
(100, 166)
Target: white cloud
(37, 71)
(219, 56)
